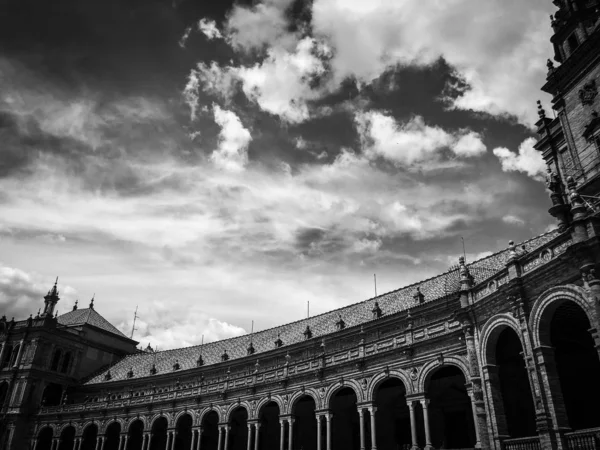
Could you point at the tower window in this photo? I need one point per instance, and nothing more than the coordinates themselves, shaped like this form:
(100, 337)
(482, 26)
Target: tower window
(573, 42)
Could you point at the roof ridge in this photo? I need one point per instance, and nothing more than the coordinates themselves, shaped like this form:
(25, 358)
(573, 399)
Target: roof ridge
(412, 285)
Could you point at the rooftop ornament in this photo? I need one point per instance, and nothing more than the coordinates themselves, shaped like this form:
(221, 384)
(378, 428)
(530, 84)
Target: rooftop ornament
(340, 324)
(278, 342)
(307, 333)
(376, 311)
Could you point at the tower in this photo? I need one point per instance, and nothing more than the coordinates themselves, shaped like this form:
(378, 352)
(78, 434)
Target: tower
(570, 143)
(50, 300)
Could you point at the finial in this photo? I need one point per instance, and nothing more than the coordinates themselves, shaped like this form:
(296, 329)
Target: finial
(278, 342)
(224, 356)
(541, 112)
(38, 314)
(130, 373)
(108, 376)
(307, 333)
(550, 65)
(176, 366)
(75, 305)
(92, 302)
(340, 324)
(419, 297)
(376, 311)
(512, 249)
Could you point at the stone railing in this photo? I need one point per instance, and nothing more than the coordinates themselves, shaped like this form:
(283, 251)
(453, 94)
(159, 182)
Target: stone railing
(526, 443)
(584, 439)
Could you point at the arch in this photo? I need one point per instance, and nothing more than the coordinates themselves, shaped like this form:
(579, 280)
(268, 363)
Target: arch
(112, 435)
(183, 431)
(128, 422)
(15, 354)
(491, 331)
(89, 435)
(3, 392)
(546, 304)
(7, 355)
(190, 412)
(392, 414)
(159, 438)
(298, 395)
(345, 419)
(158, 416)
(382, 377)
(135, 431)
(269, 431)
(209, 421)
(238, 428)
(266, 400)
(334, 388)
(109, 422)
(430, 367)
(44, 437)
(208, 410)
(67, 437)
(232, 408)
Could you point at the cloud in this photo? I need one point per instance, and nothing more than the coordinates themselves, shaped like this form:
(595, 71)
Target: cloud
(185, 37)
(513, 220)
(527, 160)
(412, 142)
(212, 80)
(232, 153)
(209, 29)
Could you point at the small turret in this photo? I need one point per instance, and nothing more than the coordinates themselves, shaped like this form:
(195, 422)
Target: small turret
(50, 300)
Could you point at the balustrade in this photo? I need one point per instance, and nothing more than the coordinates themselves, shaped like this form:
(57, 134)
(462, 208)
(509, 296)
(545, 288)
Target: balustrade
(583, 439)
(526, 443)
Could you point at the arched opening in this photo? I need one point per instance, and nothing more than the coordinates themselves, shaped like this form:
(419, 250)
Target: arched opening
(112, 437)
(89, 437)
(515, 388)
(392, 416)
(577, 364)
(136, 435)
(159, 434)
(67, 438)
(44, 439)
(305, 426)
(450, 412)
(15, 355)
(210, 431)
(269, 426)
(66, 361)
(52, 395)
(183, 435)
(3, 393)
(238, 435)
(7, 355)
(55, 360)
(345, 433)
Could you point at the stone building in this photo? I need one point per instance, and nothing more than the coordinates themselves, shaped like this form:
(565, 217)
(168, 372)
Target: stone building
(500, 353)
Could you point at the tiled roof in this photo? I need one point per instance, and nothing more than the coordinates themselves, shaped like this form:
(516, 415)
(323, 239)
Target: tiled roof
(88, 316)
(263, 341)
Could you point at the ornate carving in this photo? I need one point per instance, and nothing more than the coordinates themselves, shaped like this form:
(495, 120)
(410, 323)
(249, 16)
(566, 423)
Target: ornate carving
(588, 93)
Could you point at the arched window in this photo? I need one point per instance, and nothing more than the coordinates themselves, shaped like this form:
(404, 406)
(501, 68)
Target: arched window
(56, 360)
(14, 356)
(66, 361)
(7, 355)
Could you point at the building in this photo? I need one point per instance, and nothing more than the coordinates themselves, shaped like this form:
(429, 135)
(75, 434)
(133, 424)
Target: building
(500, 353)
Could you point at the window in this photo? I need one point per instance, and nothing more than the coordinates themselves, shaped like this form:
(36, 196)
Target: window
(7, 354)
(14, 356)
(56, 360)
(66, 361)
(573, 42)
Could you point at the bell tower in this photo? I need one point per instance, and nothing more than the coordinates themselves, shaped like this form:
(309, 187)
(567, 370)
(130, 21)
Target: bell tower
(570, 143)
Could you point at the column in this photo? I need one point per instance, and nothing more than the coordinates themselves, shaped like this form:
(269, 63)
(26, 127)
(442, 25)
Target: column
(2, 351)
(98, 442)
(172, 436)
(199, 443)
(194, 434)
(319, 439)
(102, 445)
(291, 435)
(54, 445)
(34, 444)
(227, 428)
(249, 442)
(328, 420)
(413, 426)
(256, 435)
(425, 403)
(126, 441)
(476, 421)
(219, 447)
(372, 411)
(77, 444)
(281, 433)
(361, 416)
(145, 441)
(121, 442)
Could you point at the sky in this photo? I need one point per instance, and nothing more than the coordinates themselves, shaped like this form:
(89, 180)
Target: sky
(218, 163)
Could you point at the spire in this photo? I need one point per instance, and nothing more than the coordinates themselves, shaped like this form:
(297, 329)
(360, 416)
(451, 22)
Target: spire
(466, 280)
(75, 305)
(92, 302)
(50, 300)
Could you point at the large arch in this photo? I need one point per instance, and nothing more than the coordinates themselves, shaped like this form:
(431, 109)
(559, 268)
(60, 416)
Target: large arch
(384, 376)
(159, 437)
(230, 410)
(44, 438)
(211, 409)
(209, 421)
(393, 429)
(451, 420)
(268, 418)
(238, 432)
(305, 425)
(89, 437)
(270, 398)
(511, 396)
(67, 438)
(345, 423)
(334, 388)
(428, 369)
(183, 431)
(299, 394)
(112, 436)
(135, 432)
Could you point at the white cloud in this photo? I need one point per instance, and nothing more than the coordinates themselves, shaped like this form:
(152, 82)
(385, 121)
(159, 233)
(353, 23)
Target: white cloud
(211, 79)
(185, 37)
(527, 160)
(513, 220)
(209, 28)
(232, 153)
(265, 23)
(412, 142)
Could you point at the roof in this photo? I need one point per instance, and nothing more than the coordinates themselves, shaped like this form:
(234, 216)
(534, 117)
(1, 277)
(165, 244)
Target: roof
(88, 316)
(291, 333)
